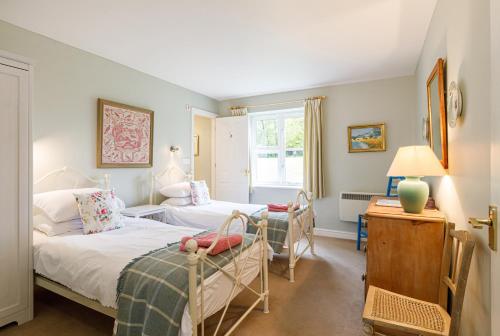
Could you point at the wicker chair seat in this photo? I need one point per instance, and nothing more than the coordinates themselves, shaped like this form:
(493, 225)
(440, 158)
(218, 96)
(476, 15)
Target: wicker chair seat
(386, 308)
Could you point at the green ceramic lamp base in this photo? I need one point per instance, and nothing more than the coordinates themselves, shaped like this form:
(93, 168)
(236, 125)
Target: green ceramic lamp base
(413, 194)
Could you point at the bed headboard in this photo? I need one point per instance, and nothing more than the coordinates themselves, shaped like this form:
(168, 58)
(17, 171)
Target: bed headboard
(172, 174)
(68, 178)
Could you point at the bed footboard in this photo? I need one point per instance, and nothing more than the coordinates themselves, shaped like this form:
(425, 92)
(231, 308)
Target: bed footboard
(305, 221)
(197, 257)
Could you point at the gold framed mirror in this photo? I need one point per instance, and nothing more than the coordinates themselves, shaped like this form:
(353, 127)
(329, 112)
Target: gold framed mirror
(436, 105)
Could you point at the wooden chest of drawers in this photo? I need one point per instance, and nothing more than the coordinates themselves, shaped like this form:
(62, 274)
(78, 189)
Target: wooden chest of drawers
(404, 251)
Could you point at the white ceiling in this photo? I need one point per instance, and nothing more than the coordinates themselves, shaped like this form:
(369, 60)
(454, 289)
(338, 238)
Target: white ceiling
(235, 48)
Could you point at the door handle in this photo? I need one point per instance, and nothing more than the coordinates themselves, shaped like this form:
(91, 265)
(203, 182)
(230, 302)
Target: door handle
(479, 223)
(491, 222)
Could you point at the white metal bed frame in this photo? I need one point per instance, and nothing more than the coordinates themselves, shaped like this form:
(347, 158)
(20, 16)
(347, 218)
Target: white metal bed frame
(305, 221)
(197, 258)
(173, 174)
(67, 178)
(70, 178)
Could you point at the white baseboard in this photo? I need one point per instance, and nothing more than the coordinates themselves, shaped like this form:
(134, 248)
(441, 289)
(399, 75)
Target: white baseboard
(335, 234)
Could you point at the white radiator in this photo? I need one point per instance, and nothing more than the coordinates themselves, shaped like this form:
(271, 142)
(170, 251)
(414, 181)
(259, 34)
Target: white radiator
(351, 204)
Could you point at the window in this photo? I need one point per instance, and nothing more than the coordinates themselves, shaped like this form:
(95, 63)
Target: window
(278, 147)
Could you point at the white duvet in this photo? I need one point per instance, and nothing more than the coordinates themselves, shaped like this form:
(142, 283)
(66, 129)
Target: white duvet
(207, 216)
(91, 264)
(211, 216)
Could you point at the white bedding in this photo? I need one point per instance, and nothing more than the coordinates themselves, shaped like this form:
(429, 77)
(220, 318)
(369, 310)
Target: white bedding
(211, 216)
(91, 264)
(207, 216)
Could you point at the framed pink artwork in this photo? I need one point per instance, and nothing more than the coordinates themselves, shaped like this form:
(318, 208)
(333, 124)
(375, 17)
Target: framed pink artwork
(124, 136)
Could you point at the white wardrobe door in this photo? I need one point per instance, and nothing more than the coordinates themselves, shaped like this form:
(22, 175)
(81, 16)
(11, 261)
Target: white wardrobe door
(232, 159)
(15, 270)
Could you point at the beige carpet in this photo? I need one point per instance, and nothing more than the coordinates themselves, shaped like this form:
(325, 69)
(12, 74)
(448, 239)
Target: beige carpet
(326, 299)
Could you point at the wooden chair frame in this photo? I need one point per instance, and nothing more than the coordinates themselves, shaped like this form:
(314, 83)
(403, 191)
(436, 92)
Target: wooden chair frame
(305, 223)
(457, 255)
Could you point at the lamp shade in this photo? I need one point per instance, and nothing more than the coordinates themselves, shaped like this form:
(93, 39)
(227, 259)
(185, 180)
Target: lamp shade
(416, 161)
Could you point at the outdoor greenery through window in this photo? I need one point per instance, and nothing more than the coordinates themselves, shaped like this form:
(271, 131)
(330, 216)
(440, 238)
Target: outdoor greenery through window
(278, 147)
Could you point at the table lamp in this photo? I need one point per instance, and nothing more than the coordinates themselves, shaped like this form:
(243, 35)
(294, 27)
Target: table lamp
(414, 162)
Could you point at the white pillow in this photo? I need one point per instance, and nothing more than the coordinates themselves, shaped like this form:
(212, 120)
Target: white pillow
(43, 224)
(199, 193)
(182, 189)
(60, 205)
(178, 201)
(119, 203)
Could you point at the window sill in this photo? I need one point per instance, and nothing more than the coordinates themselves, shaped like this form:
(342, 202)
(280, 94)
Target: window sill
(276, 186)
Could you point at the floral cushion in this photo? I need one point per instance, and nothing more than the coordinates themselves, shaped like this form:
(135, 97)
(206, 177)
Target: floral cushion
(99, 211)
(199, 193)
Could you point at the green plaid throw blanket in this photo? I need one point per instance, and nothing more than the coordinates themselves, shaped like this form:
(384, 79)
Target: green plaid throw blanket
(153, 290)
(277, 227)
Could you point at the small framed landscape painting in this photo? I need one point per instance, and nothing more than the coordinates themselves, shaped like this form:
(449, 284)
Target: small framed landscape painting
(124, 136)
(366, 138)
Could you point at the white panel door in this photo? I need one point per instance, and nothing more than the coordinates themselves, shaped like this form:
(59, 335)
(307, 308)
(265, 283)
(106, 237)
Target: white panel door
(232, 159)
(15, 244)
(495, 159)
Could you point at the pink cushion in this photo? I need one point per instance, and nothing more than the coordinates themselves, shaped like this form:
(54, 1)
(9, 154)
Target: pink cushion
(223, 244)
(280, 207)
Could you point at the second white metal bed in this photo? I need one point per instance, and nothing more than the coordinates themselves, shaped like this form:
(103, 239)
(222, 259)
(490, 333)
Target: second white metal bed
(300, 235)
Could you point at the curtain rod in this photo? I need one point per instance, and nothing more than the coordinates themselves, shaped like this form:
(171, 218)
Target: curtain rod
(277, 103)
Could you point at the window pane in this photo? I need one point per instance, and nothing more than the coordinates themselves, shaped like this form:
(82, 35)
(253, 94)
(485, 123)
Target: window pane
(294, 152)
(267, 132)
(267, 168)
(294, 132)
(294, 166)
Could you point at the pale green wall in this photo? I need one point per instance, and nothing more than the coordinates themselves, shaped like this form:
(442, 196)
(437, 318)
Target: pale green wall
(68, 82)
(460, 32)
(390, 101)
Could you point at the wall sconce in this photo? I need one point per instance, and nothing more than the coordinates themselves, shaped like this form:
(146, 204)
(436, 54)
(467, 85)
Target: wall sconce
(174, 149)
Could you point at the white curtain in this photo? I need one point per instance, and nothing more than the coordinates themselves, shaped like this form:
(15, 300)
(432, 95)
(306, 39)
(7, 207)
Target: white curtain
(313, 147)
